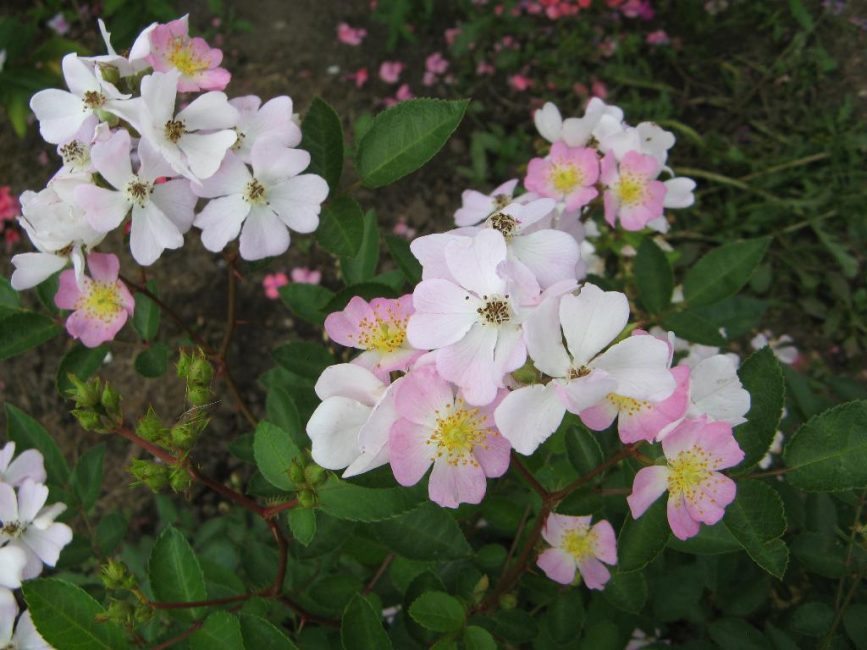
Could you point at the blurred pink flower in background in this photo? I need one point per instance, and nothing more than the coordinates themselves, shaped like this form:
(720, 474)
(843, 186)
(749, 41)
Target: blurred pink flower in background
(9, 206)
(58, 24)
(484, 67)
(402, 229)
(272, 283)
(304, 275)
(451, 35)
(659, 37)
(599, 89)
(520, 82)
(436, 64)
(359, 77)
(350, 35)
(389, 71)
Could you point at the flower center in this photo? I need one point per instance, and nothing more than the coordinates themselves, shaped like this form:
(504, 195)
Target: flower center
(496, 311)
(457, 433)
(73, 154)
(579, 542)
(138, 191)
(505, 223)
(13, 529)
(627, 405)
(240, 136)
(93, 99)
(100, 300)
(174, 130)
(687, 471)
(380, 334)
(630, 189)
(576, 373)
(564, 178)
(255, 193)
(184, 59)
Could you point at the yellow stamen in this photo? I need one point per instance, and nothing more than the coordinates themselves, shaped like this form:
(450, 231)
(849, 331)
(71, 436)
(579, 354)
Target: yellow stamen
(382, 334)
(579, 542)
(631, 189)
(628, 405)
(459, 430)
(100, 300)
(565, 177)
(687, 471)
(184, 59)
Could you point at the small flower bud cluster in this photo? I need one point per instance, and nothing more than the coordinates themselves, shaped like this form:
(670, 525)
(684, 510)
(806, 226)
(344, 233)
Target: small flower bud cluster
(501, 339)
(137, 150)
(97, 405)
(30, 538)
(307, 478)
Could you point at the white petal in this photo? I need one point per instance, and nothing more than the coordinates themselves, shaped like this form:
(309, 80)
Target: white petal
(231, 178)
(12, 562)
(297, 201)
(678, 192)
(205, 152)
(60, 114)
(528, 416)
(8, 610)
(273, 163)
(79, 78)
(34, 268)
(576, 131)
(443, 314)
(209, 111)
(333, 429)
(158, 91)
(263, 235)
(152, 232)
(716, 391)
(544, 338)
(473, 261)
(177, 201)
(548, 122)
(220, 221)
(640, 366)
(153, 164)
(112, 159)
(352, 381)
(591, 320)
(551, 255)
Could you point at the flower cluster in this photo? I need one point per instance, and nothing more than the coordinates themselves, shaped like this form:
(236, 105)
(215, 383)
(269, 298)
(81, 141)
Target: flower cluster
(500, 339)
(139, 151)
(30, 538)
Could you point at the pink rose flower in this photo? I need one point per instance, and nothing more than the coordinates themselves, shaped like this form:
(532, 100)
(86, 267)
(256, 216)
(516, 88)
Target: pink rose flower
(697, 492)
(173, 49)
(520, 82)
(567, 174)
(436, 427)
(272, 283)
(436, 64)
(389, 71)
(576, 546)
(659, 37)
(101, 303)
(632, 195)
(350, 35)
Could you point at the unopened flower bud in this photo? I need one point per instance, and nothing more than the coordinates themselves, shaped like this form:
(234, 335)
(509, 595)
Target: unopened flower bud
(117, 611)
(201, 371)
(314, 474)
(85, 394)
(307, 498)
(110, 400)
(183, 436)
(142, 613)
(296, 472)
(149, 426)
(180, 480)
(184, 365)
(508, 601)
(88, 419)
(109, 72)
(481, 588)
(199, 395)
(115, 575)
(150, 474)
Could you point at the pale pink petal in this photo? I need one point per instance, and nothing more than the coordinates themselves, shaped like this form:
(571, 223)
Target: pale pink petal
(682, 525)
(594, 573)
(493, 455)
(8, 609)
(68, 291)
(176, 200)
(544, 339)
(473, 262)
(685, 436)
(422, 396)
(231, 178)
(298, 201)
(444, 313)
(551, 255)
(556, 525)
(453, 484)
(717, 440)
(510, 352)
(469, 363)
(639, 364)
(333, 430)
(220, 221)
(103, 267)
(430, 251)
(583, 392)
(205, 152)
(528, 416)
(591, 320)
(263, 235)
(558, 565)
(409, 453)
(650, 483)
(105, 209)
(152, 232)
(600, 416)
(112, 159)
(272, 162)
(8, 503)
(31, 497)
(153, 164)
(209, 111)
(605, 547)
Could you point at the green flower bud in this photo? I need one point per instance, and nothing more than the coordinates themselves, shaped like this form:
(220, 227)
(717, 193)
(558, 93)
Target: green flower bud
(109, 72)
(296, 472)
(201, 371)
(118, 611)
(184, 365)
(307, 498)
(199, 395)
(142, 613)
(183, 436)
(180, 480)
(85, 394)
(314, 475)
(526, 374)
(115, 575)
(508, 601)
(150, 474)
(110, 400)
(88, 419)
(150, 428)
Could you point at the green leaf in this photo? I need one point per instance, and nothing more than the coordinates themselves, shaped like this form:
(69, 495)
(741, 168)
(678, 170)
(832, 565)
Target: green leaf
(27, 433)
(565, 616)
(800, 13)
(281, 410)
(690, 325)
(627, 591)
(323, 138)
(478, 638)
(757, 519)
(583, 449)
(361, 626)
(307, 301)
(175, 574)
(10, 300)
(711, 540)
(404, 137)
(304, 358)
(87, 476)
(24, 330)
(154, 361)
(855, 624)
(426, 533)
(642, 539)
(398, 248)
(302, 523)
(735, 634)
(46, 290)
(760, 374)
(723, 271)
(829, 452)
(653, 277)
(812, 619)
(274, 451)
(110, 532)
(361, 267)
(65, 616)
(80, 361)
(737, 315)
(260, 634)
(341, 227)
(221, 631)
(146, 317)
(438, 611)
(345, 500)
